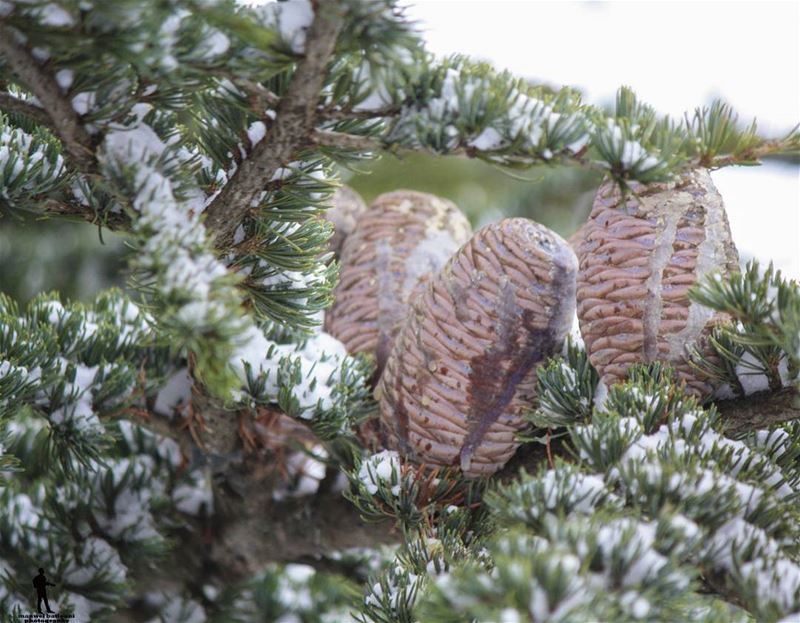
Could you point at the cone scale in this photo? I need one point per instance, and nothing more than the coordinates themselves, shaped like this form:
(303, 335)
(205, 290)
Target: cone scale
(639, 255)
(399, 242)
(463, 367)
(347, 207)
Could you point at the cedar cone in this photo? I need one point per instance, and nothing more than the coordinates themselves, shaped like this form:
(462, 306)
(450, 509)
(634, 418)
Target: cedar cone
(403, 239)
(463, 367)
(576, 238)
(638, 258)
(346, 208)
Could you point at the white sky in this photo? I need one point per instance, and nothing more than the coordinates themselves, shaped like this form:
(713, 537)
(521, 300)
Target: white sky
(676, 56)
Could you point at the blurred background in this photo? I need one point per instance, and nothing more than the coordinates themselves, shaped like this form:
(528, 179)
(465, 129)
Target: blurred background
(675, 55)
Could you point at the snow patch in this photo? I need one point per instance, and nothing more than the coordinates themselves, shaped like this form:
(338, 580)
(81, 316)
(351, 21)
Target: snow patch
(378, 469)
(292, 19)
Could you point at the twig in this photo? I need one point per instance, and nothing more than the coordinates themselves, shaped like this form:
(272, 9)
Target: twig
(762, 410)
(9, 103)
(71, 207)
(293, 124)
(327, 138)
(550, 451)
(266, 99)
(334, 114)
(262, 95)
(65, 121)
(770, 147)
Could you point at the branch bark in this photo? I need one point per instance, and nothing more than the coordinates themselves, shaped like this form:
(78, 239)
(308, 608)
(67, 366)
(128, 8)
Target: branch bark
(64, 120)
(761, 410)
(72, 208)
(253, 529)
(294, 122)
(334, 114)
(249, 528)
(327, 138)
(12, 104)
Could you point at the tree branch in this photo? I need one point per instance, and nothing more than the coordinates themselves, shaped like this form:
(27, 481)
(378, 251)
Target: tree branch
(739, 417)
(65, 121)
(253, 529)
(766, 148)
(262, 99)
(250, 528)
(70, 207)
(327, 138)
(335, 114)
(293, 124)
(12, 104)
(761, 410)
(260, 96)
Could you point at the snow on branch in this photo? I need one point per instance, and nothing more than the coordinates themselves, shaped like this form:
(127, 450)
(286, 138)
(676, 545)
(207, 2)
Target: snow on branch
(292, 125)
(196, 294)
(475, 108)
(77, 142)
(13, 104)
(314, 380)
(30, 164)
(623, 533)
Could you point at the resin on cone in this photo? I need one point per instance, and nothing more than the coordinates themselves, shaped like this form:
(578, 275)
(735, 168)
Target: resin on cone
(639, 255)
(463, 367)
(403, 239)
(347, 207)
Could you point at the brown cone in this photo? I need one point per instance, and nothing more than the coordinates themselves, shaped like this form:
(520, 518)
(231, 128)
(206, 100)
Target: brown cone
(347, 206)
(463, 367)
(576, 239)
(400, 241)
(638, 258)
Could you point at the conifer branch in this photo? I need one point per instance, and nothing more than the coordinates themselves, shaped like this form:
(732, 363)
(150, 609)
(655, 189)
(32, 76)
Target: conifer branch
(334, 114)
(69, 207)
(341, 140)
(254, 530)
(755, 154)
(12, 104)
(295, 118)
(251, 528)
(264, 98)
(65, 120)
(759, 411)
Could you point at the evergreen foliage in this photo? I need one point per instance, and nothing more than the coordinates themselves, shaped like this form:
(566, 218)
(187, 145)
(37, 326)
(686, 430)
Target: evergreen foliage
(760, 347)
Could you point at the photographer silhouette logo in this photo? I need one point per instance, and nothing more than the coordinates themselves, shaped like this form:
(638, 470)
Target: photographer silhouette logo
(40, 584)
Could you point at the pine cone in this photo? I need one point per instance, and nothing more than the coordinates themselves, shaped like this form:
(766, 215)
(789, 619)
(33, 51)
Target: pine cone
(463, 366)
(347, 206)
(638, 258)
(404, 238)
